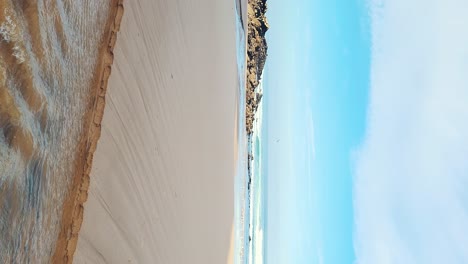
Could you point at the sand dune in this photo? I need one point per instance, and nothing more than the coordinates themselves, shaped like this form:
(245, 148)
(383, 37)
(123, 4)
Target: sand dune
(162, 180)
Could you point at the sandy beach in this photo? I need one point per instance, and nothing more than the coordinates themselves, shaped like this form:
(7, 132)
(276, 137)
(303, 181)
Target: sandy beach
(161, 188)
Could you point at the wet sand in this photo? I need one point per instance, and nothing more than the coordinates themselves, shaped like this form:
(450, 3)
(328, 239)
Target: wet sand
(72, 211)
(51, 63)
(161, 187)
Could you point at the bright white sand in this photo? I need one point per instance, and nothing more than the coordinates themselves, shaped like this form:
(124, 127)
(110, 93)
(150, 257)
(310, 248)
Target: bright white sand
(162, 180)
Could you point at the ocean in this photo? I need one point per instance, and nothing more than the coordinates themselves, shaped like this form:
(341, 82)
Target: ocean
(250, 203)
(48, 57)
(257, 196)
(241, 173)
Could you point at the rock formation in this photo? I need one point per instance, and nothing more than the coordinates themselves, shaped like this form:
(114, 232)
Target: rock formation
(256, 56)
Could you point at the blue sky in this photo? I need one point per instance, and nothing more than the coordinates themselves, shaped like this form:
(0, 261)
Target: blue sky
(316, 90)
(366, 121)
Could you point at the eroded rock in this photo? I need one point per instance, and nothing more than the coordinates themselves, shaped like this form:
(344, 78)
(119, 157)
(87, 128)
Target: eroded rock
(256, 55)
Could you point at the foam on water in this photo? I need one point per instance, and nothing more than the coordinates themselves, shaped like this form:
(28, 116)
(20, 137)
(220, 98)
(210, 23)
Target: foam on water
(257, 195)
(249, 202)
(241, 214)
(48, 55)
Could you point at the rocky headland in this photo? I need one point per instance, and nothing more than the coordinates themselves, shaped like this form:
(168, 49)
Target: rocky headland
(256, 55)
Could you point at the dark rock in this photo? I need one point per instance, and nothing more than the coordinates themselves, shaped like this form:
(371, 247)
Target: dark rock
(256, 56)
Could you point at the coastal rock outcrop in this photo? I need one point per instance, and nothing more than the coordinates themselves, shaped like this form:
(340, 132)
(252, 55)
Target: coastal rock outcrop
(256, 55)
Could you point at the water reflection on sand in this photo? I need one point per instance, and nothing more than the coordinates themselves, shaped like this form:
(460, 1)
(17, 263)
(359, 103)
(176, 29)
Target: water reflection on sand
(48, 54)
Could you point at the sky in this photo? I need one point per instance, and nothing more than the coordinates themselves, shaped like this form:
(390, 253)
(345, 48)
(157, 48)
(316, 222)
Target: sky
(366, 117)
(316, 89)
(412, 171)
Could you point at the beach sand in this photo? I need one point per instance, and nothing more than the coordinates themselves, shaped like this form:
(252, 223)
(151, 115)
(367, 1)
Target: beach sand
(161, 187)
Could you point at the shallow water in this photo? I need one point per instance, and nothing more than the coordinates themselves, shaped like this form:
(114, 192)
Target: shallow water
(48, 55)
(257, 202)
(240, 181)
(241, 197)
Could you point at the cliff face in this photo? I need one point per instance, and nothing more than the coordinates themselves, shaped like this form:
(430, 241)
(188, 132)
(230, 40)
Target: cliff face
(256, 56)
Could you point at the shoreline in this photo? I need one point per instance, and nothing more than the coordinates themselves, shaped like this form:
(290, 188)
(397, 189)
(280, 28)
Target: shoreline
(257, 50)
(256, 55)
(72, 208)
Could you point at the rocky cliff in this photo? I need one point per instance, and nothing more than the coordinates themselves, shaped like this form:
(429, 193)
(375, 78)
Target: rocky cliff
(256, 56)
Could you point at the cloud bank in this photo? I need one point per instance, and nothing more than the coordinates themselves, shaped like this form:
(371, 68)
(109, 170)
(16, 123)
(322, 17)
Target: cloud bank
(411, 179)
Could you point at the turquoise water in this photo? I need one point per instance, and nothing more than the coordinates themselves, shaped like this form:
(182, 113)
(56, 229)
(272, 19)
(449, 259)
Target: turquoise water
(257, 201)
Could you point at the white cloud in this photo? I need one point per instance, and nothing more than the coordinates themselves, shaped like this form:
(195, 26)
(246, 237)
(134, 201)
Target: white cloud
(411, 185)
